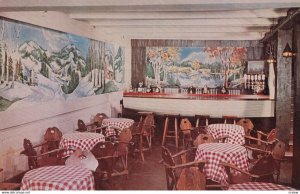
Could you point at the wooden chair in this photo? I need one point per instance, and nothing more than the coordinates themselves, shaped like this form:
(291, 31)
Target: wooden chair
(109, 153)
(262, 170)
(263, 141)
(186, 128)
(82, 127)
(36, 160)
(173, 177)
(140, 131)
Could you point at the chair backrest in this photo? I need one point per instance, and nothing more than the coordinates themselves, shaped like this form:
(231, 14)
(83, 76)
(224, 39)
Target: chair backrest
(104, 152)
(246, 124)
(81, 126)
(52, 134)
(99, 118)
(29, 151)
(278, 150)
(185, 124)
(147, 123)
(52, 139)
(264, 165)
(170, 173)
(204, 138)
(124, 138)
(191, 179)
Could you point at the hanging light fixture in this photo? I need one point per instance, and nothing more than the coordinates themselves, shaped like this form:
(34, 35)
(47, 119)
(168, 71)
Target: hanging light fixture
(271, 58)
(287, 52)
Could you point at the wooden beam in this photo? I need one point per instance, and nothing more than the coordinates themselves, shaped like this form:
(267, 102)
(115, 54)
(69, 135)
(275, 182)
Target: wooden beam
(142, 5)
(257, 13)
(185, 22)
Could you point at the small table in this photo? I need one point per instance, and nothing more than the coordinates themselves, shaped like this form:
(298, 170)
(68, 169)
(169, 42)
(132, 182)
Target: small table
(81, 140)
(58, 178)
(259, 186)
(213, 153)
(121, 123)
(235, 133)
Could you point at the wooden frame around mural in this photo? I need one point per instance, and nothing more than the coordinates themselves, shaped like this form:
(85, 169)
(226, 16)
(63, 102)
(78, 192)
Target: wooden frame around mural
(256, 67)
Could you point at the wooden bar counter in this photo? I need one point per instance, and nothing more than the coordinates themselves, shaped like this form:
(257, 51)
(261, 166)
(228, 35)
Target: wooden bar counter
(215, 105)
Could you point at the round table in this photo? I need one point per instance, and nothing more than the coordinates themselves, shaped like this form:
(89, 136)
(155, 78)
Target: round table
(121, 123)
(259, 186)
(213, 153)
(81, 140)
(58, 178)
(234, 132)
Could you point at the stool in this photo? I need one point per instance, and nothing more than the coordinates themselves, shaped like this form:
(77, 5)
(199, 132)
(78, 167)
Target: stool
(200, 117)
(226, 117)
(168, 133)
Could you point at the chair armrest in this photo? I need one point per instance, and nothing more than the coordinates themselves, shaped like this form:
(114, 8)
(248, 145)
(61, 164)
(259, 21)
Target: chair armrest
(257, 149)
(97, 128)
(225, 164)
(194, 163)
(46, 153)
(259, 140)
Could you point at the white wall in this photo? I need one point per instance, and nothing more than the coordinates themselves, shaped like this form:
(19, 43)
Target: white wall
(15, 125)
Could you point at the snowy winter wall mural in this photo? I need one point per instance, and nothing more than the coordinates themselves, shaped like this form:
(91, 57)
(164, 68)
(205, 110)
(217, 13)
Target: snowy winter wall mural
(41, 65)
(195, 66)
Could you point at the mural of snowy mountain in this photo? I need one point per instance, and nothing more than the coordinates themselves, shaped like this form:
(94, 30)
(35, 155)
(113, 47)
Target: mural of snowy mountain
(42, 65)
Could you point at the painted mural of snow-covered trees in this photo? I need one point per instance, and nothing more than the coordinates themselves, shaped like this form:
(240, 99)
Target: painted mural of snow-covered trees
(40, 65)
(197, 67)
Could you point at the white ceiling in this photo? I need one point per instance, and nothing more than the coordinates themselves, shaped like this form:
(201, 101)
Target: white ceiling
(168, 19)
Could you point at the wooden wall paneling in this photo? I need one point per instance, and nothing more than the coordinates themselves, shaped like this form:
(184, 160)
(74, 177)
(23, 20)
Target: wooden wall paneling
(296, 135)
(283, 91)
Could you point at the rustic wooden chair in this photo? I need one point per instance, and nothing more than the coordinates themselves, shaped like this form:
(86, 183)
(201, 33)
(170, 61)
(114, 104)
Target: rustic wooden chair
(262, 142)
(142, 130)
(93, 127)
(108, 153)
(173, 171)
(36, 160)
(263, 169)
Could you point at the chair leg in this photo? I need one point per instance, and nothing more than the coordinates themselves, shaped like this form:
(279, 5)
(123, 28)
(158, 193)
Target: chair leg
(165, 131)
(141, 148)
(176, 132)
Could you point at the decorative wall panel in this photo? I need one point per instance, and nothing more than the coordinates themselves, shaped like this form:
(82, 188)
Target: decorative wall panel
(42, 65)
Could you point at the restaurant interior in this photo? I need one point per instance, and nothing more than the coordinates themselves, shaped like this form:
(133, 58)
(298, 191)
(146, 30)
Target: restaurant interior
(149, 95)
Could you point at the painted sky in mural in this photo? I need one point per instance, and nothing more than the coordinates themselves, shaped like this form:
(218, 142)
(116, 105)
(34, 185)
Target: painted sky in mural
(40, 65)
(195, 66)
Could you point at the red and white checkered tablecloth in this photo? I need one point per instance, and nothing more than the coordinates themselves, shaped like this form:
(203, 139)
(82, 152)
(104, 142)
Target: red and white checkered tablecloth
(58, 178)
(81, 140)
(235, 133)
(213, 153)
(121, 123)
(259, 186)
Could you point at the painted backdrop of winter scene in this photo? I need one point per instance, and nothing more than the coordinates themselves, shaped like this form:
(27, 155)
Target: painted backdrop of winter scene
(195, 66)
(41, 65)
